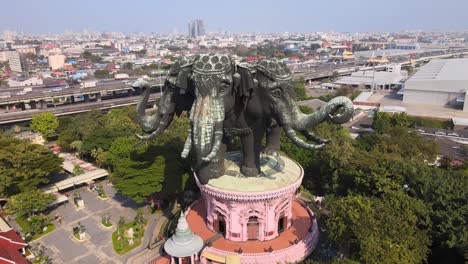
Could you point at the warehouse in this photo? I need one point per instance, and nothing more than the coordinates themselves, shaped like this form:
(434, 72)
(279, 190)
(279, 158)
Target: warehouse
(439, 82)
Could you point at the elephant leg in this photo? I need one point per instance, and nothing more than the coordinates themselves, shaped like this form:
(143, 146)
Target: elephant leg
(249, 167)
(273, 140)
(214, 168)
(259, 133)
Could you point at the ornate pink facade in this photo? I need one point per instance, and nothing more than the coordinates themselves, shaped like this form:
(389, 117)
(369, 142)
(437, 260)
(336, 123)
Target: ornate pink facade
(235, 209)
(263, 224)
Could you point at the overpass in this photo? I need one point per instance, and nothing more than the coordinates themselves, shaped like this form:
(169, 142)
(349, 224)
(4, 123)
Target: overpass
(69, 109)
(40, 95)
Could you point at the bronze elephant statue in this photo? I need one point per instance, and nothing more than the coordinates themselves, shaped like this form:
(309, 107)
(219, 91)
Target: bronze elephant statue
(228, 98)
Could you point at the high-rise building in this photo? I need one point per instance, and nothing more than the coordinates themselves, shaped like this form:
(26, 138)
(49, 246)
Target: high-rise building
(16, 61)
(196, 28)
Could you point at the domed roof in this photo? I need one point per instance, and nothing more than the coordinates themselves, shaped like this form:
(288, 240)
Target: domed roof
(183, 243)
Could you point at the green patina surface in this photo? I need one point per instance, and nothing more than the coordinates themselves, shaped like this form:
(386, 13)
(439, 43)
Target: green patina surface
(277, 173)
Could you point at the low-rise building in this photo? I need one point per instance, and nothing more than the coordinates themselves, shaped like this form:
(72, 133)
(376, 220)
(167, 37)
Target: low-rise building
(56, 61)
(390, 78)
(12, 246)
(439, 82)
(19, 82)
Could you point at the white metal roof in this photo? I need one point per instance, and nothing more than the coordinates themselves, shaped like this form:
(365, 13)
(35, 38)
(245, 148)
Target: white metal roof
(442, 69)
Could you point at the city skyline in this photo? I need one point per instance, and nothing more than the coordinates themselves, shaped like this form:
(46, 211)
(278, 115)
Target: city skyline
(50, 16)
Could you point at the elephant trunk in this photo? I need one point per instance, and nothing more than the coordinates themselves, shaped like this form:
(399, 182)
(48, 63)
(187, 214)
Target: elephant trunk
(206, 128)
(301, 122)
(164, 115)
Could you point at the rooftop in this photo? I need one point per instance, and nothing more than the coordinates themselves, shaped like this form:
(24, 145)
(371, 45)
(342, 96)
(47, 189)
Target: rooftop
(447, 70)
(277, 173)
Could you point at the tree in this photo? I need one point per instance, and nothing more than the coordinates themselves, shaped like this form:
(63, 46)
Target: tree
(300, 91)
(100, 156)
(77, 170)
(121, 149)
(24, 166)
(377, 230)
(92, 57)
(102, 74)
(152, 167)
(446, 193)
(29, 203)
(102, 138)
(401, 120)
(382, 122)
(127, 66)
(44, 123)
(36, 223)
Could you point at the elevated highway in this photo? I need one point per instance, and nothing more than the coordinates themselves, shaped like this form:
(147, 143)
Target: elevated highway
(68, 109)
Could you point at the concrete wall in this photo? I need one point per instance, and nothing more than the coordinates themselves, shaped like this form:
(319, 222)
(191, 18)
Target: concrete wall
(436, 92)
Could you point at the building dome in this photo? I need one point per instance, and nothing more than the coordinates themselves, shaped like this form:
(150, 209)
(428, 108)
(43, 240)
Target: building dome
(183, 243)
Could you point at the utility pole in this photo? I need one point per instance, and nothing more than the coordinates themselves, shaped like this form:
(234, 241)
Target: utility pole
(373, 79)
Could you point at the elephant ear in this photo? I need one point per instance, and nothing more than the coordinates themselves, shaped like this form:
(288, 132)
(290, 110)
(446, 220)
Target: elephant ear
(246, 84)
(179, 74)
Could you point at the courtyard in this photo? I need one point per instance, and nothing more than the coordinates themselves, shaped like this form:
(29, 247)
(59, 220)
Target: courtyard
(62, 247)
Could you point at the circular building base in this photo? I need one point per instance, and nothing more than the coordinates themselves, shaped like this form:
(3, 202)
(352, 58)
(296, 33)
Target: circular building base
(256, 219)
(292, 245)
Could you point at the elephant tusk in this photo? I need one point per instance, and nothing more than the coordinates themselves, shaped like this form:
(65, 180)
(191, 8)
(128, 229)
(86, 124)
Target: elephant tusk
(216, 146)
(155, 134)
(187, 145)
(299, 142)
(311, 136)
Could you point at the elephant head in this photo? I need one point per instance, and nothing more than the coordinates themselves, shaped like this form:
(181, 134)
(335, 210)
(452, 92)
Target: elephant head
(275, 79)
(175, 87)
(212, 78)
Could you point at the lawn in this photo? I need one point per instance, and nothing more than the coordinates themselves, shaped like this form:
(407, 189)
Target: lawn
(122, 246)
(50, 228)
(106, 224)
(24, 226)
(429, 122)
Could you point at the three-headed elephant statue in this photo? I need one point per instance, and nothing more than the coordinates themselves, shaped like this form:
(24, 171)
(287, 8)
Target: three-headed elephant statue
(227, 98)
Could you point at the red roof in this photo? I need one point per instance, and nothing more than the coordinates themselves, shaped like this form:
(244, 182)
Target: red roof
(10, 244)
(69, 68)
(59, 73)
(49, 46)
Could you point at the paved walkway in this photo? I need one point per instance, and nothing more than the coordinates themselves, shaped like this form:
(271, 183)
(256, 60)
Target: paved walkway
(149, 255)
(62, 247)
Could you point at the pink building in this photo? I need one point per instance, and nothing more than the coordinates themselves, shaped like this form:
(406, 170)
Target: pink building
(254, 219)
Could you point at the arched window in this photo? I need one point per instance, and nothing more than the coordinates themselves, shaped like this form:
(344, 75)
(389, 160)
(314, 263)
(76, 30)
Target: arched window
(253, 228)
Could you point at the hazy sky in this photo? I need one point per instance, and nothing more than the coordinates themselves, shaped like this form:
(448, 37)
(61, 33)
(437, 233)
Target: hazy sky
(40, 16)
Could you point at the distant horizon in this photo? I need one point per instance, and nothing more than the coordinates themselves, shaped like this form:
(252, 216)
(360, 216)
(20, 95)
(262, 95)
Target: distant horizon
(294, 16)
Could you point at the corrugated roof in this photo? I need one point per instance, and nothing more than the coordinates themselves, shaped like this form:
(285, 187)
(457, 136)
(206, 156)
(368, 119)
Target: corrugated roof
(442, 69)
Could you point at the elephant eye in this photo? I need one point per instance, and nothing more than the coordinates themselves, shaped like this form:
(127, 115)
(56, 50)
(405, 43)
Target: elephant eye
(276, 93)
